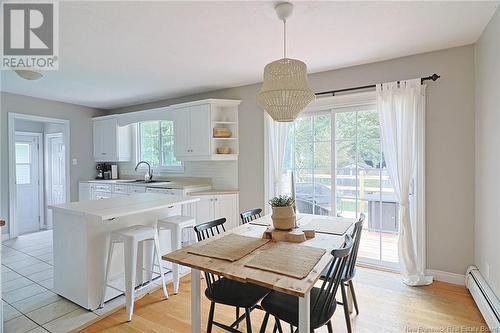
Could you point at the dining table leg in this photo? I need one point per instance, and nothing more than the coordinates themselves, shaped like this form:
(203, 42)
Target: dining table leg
(195, 301)
(305, 313)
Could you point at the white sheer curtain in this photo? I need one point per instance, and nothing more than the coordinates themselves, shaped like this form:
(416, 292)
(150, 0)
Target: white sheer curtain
(277, 133)
(399, 106)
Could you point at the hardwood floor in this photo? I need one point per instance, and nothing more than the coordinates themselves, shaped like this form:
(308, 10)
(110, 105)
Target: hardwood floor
(386, 305)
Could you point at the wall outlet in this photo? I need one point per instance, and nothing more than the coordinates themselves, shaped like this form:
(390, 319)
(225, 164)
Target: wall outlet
(75, 161)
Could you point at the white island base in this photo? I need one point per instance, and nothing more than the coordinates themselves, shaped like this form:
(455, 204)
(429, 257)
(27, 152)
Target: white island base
(81, 236)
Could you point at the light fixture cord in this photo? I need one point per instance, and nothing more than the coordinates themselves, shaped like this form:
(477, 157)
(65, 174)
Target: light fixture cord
(284, 38)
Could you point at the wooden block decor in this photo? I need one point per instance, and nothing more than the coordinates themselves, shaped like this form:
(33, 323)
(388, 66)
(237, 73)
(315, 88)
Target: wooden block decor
(297, 235)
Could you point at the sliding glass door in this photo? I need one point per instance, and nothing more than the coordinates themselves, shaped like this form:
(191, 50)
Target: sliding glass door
(345, 143)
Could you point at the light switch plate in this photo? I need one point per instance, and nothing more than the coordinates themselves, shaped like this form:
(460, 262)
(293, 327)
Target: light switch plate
(75, 161)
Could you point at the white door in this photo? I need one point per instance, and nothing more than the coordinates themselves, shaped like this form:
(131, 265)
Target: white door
(28, 179)
(200, 130)
(56, 172)
(226, 206)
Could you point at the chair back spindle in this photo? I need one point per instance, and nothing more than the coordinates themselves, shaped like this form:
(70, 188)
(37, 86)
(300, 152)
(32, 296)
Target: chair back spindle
(205, 231)
(325, 297)
(356, 237)
(250, 215)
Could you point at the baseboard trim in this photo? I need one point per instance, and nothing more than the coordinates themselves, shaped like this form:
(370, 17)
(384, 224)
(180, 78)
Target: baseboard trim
(447, 277)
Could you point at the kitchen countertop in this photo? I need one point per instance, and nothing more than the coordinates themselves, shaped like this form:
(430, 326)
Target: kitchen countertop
(107, 209)
(174, 183)
(214, 192)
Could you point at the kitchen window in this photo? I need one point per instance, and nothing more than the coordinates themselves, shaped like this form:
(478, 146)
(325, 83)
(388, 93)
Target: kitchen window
(156, 145)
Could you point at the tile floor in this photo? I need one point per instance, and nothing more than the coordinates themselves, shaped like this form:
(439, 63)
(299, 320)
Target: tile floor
(29, 304)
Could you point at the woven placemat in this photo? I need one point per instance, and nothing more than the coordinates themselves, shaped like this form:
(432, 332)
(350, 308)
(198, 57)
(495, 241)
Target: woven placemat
(288, 259)
(230, 247)
(329, 226)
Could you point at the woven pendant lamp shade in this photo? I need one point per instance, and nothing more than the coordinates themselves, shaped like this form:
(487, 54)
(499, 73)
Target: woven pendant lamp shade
(285, 91)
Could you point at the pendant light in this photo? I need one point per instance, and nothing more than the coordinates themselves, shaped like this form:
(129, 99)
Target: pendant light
(285, 91)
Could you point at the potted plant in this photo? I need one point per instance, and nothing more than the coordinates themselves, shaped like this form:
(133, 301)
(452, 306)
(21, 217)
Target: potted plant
(283, 212)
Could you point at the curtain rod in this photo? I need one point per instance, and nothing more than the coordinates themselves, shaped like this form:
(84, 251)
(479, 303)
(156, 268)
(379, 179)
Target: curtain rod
(432, 77)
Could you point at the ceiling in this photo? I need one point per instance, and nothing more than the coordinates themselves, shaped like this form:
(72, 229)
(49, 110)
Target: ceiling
(114, 54)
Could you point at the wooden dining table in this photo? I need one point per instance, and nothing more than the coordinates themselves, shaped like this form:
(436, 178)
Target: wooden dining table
(237, 270)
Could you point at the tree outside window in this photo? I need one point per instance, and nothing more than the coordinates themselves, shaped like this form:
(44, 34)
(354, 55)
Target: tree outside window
(156, 145)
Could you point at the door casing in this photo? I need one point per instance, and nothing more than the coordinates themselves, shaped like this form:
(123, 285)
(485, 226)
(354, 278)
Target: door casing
(12, 116)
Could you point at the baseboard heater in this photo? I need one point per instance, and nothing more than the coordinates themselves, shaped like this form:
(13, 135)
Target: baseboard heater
(485, 298)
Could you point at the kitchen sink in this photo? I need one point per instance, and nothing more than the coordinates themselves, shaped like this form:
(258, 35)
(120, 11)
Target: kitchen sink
(141, 181)
(150, 181)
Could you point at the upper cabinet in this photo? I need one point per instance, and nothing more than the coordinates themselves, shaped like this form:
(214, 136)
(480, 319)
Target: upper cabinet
(112, 143)
(206, 130)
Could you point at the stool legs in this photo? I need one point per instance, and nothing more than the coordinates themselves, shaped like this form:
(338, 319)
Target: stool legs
(106, 275)
(130, 276)
(162, 277)
(176, 237)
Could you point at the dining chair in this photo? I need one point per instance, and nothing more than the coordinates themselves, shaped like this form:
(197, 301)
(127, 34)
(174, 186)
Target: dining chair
(225, 291)
(284, 307)
(250, 215)
(350, 271)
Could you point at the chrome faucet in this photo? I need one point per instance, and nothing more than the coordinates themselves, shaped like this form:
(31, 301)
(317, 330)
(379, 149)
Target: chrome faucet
(149, 175)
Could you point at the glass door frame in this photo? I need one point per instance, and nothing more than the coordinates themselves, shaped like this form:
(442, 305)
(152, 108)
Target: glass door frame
(350, 103)
(363, 98)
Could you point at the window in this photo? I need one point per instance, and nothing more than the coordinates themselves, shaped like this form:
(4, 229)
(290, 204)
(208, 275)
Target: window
(340, 171)
(156, 145)
(23, 164)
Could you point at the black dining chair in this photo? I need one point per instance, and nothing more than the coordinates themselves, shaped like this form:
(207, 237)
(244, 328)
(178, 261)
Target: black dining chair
(350, 271)
(225, 291)
(250, 215)
(284, 307)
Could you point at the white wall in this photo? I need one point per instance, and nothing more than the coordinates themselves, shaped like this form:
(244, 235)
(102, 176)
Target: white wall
(487, 226)
(450, 143)
(80, 136)
(22, 125)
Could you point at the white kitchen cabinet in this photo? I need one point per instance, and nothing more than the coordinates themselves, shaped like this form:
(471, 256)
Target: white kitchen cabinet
(99, 195)
(85, 191)
(192, 133)
(112, 143)
(212, 207)
(194, 123)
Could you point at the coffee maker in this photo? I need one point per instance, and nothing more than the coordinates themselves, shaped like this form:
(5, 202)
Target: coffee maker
(103, 171)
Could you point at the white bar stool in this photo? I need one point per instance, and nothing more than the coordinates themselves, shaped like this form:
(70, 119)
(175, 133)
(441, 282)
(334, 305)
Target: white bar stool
(131, 237)
(176, 224)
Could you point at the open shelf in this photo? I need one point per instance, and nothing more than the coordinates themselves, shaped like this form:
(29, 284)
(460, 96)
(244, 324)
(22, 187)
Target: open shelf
(224, 122)
(227, 157)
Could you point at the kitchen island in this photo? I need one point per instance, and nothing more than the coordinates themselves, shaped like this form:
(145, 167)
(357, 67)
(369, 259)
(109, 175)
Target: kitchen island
(81, 236)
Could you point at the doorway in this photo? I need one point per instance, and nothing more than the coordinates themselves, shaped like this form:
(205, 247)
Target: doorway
(29, 175)
(38, 171)
(55, 173)
(338, 160)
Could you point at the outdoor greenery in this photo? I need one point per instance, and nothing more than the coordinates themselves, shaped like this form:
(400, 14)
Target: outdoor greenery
(357, 136)
(157, 143)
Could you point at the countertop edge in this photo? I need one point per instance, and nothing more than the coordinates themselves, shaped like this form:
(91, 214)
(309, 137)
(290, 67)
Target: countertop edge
(213, 192)
(166, 185)
(132, 210)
